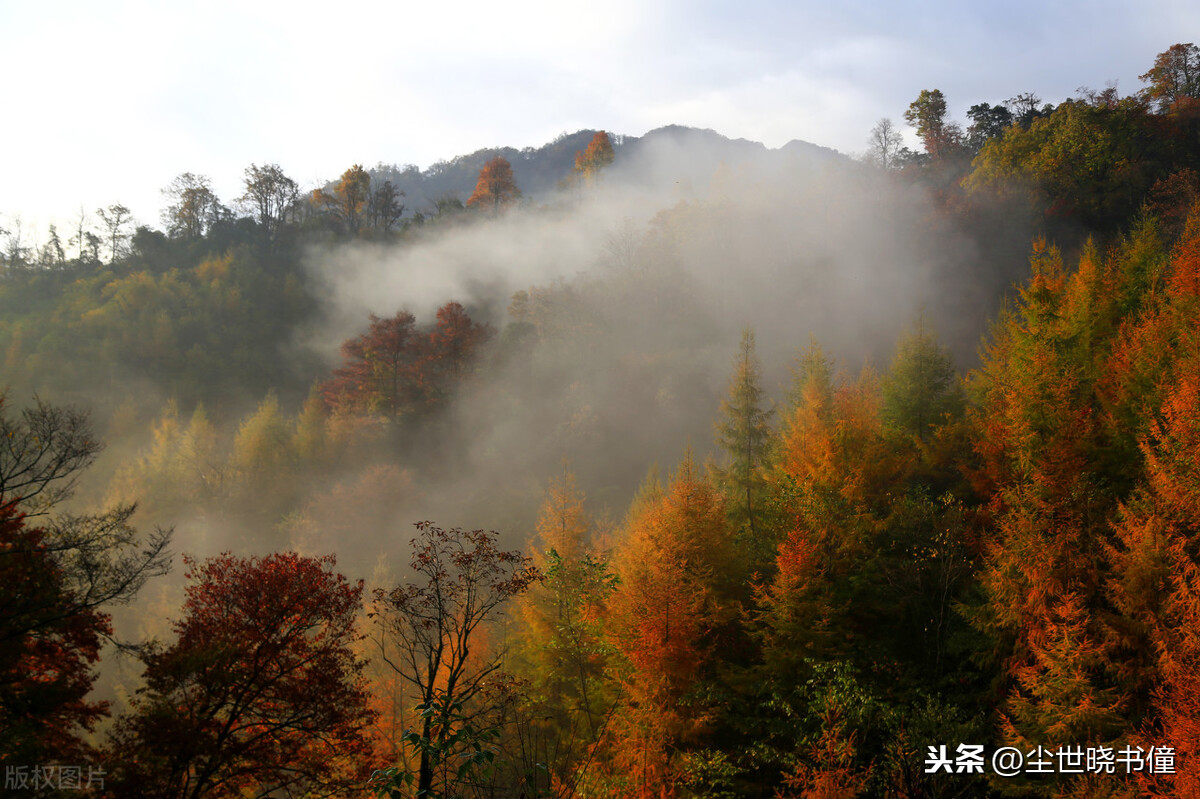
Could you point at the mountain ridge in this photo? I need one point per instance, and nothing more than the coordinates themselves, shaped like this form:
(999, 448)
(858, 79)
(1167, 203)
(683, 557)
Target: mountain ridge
(538, 171)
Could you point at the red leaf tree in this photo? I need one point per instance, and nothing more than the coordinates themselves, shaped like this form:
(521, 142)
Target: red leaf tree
(261, 692)
(452, 346)
(395, 368)
(49, 642)
(381, 368)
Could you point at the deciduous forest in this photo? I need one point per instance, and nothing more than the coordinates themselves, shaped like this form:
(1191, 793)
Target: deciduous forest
(685, 468)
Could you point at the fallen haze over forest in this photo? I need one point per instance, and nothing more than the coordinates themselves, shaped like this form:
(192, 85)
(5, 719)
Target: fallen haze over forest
(798, 465)
(648, 285)
(643, 279)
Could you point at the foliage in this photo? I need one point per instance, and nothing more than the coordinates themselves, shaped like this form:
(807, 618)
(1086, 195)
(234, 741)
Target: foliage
(460, 757)
(675, 570)
(271, 196)
(599, 154)
(901, 561)
(921, 391)
(1174, 79)
(496, 187)
(50, 637)
(431, 633)
(1094, 163)
(261, 689)
(55, 582)
(928, 115)
(194, 208)
(744, 434)
(562, 650)
(395, 369)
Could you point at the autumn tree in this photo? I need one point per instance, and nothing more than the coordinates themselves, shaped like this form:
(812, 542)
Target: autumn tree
(261, 463)
(496, 187)
(193, 206)
(395, 368)
(347, 205)
(676, 569)
(185, 466)
(56, 581)
(270, 195)
(591, 162)
(453, 345)
(928, 115)
(50, 639)
(432, 631)
(261, 443)
(379, 373)
(1175, 77)
(1157, 588)
(261, 691)
(1048, 503)
(829, 465)
(561, 650)
(1153, 393)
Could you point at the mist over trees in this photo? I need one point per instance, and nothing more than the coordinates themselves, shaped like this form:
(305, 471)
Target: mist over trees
(798, 466)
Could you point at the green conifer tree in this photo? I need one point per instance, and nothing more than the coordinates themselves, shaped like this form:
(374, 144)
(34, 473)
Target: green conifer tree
(744, 434)
(921, 389)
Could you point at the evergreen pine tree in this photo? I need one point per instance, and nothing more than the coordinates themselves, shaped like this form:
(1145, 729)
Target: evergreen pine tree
(921, 389)
(744, 434)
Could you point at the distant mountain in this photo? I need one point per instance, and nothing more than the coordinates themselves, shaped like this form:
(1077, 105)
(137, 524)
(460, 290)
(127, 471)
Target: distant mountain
(674, 153)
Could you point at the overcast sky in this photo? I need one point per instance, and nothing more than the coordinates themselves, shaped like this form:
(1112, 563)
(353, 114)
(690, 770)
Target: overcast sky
(107, 101)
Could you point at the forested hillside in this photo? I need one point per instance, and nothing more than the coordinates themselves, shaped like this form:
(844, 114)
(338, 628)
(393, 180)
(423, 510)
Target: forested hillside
(659, 467)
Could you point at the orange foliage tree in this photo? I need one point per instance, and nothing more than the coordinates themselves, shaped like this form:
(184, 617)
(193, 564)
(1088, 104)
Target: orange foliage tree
(1155, 389)
(598, 155)
(1062, 398)
(562, 651)
(1174, 78)
(496, 187)
(832, 467)
(348, 203)
(55, 578)
(1158, 584)
(452, 346)
(675, 568)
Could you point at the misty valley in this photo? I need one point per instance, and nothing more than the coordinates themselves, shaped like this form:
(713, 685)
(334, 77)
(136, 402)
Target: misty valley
(659, 466)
